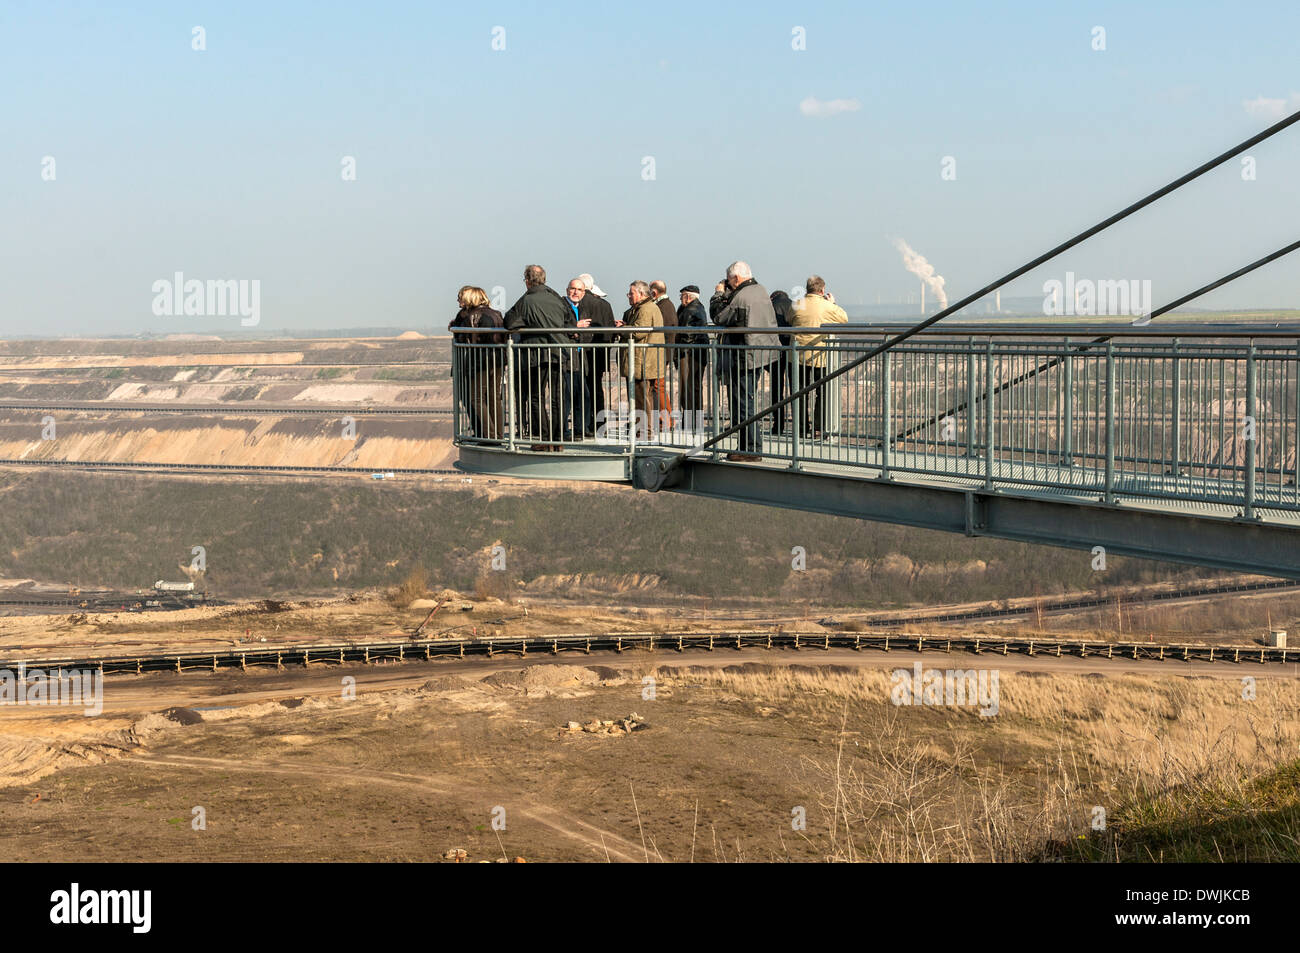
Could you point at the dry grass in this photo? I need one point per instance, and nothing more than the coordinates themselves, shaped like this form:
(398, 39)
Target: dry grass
(1235, 617)
(943, 784)
(414, 586)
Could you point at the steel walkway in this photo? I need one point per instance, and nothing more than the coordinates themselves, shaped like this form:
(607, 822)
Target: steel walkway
(1175, 448)
(1169, 443)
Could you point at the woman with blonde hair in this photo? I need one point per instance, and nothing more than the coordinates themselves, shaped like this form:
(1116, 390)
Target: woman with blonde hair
(478, 360)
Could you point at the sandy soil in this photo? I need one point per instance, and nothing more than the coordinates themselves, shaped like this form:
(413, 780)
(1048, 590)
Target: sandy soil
(379, 443)
(426, 755)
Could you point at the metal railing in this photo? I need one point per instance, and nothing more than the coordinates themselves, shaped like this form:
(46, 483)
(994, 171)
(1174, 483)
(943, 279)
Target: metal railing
(1204, 419)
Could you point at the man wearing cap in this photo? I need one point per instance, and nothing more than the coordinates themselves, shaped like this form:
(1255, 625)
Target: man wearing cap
(692, 356)
(594, 312)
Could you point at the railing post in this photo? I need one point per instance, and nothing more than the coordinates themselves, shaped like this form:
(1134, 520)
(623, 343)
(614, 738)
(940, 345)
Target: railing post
(988, 414)
(1252, 436)
(1067, 410)
(716, 374)
(886, 412)
(970, 399)
(1110, 422)
(1175, 464)
(510, 394)
(793, 409)
(631, 398)
(456, 385)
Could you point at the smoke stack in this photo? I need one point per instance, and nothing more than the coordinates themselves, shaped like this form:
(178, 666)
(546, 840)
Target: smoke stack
(918, 266)
(922, 297)
(997, 300)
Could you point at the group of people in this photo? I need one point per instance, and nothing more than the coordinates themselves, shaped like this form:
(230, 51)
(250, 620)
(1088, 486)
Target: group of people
(560, 390)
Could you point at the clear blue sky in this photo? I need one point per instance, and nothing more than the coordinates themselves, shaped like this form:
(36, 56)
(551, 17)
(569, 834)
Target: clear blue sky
(472, 162)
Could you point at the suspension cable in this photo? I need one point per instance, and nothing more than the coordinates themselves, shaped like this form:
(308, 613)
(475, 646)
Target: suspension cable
(1010, 276)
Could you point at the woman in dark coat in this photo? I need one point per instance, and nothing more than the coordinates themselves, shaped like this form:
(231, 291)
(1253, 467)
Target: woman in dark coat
(478, 365)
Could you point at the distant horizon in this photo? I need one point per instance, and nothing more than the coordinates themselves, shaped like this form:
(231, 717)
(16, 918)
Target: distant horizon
(392, 331)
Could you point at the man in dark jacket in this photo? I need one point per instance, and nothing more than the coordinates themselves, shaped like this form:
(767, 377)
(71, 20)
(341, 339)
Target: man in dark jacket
(594, 312)
(741, 302)
(548, 330)
(783, 372)
(692, 356)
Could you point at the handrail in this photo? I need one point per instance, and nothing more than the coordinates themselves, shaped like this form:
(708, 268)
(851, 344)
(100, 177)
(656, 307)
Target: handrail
(1010, 276)
(997, 327)
(1054, 362)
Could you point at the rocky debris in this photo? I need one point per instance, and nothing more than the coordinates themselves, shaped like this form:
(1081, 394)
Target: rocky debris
(457, 855)
(621, 726)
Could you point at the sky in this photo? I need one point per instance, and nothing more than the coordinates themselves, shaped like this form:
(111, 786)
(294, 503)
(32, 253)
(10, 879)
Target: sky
(628, 141)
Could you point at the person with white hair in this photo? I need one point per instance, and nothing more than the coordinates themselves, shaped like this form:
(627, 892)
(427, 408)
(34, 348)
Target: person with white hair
(645, 373)
(741, 302)
(595, 313)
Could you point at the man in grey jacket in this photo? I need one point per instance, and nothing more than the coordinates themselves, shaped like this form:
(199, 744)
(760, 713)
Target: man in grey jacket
(741, 302)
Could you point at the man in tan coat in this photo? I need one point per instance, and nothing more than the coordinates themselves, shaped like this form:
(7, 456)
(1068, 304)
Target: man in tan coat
(817, 308)
(650, 361)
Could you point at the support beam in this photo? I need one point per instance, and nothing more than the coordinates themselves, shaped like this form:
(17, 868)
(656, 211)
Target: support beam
(1269, 546)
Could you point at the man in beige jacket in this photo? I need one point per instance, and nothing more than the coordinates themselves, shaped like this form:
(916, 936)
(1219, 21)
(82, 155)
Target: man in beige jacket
(647, 374)
(817, 308)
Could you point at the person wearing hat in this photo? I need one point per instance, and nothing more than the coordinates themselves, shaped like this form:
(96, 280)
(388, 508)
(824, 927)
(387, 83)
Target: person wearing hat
(594, 312)
(692, 356)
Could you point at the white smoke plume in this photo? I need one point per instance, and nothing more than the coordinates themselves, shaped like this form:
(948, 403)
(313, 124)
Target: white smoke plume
(918, 266)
